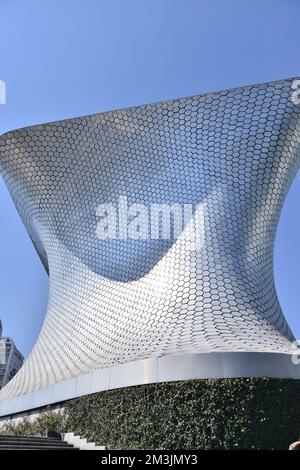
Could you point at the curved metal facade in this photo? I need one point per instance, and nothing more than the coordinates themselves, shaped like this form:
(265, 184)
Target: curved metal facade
(232, 153)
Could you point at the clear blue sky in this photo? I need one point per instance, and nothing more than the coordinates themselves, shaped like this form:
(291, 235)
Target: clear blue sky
(63, 58)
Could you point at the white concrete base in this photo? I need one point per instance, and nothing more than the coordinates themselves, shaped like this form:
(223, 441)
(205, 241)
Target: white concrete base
(159, 369)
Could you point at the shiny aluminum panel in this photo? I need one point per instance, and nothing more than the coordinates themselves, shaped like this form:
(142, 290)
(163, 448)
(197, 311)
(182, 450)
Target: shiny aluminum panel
(114, 303)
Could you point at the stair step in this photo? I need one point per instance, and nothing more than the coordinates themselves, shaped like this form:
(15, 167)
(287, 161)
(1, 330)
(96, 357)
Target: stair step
(9, 442)
(38, 438)
(33, 443)
(36, 448)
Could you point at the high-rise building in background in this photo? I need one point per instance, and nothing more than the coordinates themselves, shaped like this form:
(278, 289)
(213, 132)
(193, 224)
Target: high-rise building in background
(11, 360)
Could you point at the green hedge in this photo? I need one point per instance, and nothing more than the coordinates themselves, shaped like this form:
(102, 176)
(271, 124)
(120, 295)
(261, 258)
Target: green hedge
(198, 414)
(46, 421)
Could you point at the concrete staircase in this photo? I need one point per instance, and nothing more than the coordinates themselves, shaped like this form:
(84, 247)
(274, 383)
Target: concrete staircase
(33, 443)
(81, 443)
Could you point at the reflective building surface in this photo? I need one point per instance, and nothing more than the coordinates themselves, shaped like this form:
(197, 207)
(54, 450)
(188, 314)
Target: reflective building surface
(232, 156)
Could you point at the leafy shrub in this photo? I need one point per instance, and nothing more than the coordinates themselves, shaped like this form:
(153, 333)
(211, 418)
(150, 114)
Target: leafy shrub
(254, 413)
(40, 426)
